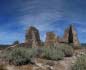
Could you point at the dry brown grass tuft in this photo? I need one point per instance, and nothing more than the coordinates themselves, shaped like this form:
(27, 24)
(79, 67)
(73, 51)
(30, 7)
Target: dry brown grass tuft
(2, 67)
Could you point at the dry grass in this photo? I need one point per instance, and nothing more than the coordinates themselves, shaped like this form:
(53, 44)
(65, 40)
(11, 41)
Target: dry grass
(24, 67)
(2, 67)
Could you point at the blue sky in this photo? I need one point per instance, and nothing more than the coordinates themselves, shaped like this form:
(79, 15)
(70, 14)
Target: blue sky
(47, 15)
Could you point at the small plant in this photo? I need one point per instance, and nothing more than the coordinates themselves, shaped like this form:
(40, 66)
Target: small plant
(80, 63)
(53, 53)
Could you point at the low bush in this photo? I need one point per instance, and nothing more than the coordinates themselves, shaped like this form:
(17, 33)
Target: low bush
(68, 50)
(53, 53)
(80, 63)
(22, 55)
(19, 56)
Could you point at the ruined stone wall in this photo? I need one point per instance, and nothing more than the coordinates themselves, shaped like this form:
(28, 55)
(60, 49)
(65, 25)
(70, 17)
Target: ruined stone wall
(51, 39)
(70, 36)
(75, 37)
(66, 35)
(32, 37)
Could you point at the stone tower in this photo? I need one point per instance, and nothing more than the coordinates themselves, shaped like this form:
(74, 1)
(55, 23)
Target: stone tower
(73, 36)
(66, 35)
(32, 37)
(70, 36)
(51, 39)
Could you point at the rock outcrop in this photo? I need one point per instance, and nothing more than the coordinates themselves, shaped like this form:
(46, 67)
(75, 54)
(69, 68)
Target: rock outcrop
(32, 37)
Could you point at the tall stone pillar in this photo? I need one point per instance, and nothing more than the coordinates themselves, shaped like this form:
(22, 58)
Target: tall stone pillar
(32, 37)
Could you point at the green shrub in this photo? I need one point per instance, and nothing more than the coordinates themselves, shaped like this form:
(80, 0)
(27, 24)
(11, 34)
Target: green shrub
(22, 55)
(16, 42)
(19, 56)
(80, 63)
(68, 50)
(53, 53)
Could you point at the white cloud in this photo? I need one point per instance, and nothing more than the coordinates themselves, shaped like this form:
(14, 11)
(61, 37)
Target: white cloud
(42, 21)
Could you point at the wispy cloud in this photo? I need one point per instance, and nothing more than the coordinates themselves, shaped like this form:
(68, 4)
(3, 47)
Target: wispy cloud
(42, 21)
(47, 15)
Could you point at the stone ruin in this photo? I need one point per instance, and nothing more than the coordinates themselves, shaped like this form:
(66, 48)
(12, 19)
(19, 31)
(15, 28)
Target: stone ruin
(66, 35)
(70, 37)
(50, 39)
(32, 37)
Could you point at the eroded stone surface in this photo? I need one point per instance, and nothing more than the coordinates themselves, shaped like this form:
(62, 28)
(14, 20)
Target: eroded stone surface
(32, 37)
(51, 39)
(66, 35)
(73, 34)
(70, 36)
